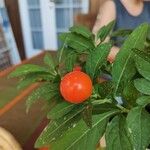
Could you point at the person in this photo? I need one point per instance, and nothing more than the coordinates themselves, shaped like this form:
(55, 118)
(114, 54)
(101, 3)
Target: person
(127, 13)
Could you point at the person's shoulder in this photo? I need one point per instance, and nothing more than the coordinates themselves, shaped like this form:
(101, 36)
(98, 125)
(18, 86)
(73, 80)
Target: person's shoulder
(108, 7)
(108, 4)
(106, 14)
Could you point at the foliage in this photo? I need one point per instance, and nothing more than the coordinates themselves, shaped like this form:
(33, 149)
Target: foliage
(117, 107)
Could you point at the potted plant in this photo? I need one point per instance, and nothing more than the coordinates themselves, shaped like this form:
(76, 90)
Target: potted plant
(83, 108)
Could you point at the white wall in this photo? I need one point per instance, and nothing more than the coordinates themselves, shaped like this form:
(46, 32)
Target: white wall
(48, 27)
(49, 24)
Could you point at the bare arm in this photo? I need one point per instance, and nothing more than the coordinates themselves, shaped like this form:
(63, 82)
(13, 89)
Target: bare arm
(107, 13)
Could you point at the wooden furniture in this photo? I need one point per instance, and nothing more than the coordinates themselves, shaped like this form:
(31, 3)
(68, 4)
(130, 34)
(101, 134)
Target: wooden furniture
(29, 145)
(14, 17)
(13, 115)
(90, 18)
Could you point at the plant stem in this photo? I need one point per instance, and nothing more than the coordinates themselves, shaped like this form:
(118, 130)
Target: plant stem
(61, 51)
(123, 108)
(101, 101)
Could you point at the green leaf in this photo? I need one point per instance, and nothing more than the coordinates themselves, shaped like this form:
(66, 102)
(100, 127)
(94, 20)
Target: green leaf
(26, 69)
(148, 35)
(138, 122)
(84, 31)
(129, 72)
(60, 110)
(97, 58)
(48, 60)
(104, 89)
(63, 36)
(62, 50)
(130, 93)
(103, 107)
(144, 54)
(121, 70)
(34, 77)
(45, 91)
(81, 137)
(105, 31)
(54, 129)
(57, 79)
(143, 67)
(142, 85)
(87, 115)
(25, 82)
(79, 43)
(143, 100)
(70, 61)
(117, 135)
(121, 33)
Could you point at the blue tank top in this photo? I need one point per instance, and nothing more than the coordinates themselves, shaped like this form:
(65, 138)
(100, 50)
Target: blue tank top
(127, 21)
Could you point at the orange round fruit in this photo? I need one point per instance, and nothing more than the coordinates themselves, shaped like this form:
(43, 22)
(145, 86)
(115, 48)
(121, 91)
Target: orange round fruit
(76, 87)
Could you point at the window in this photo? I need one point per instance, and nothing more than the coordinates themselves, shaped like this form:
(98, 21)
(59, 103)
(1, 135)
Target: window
(65, 12)
(5, 60)
(33, 2)
(35, 23)
(62, 18)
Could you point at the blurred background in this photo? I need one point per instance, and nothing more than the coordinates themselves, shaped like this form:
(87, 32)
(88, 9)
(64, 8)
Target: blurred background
(28, 27)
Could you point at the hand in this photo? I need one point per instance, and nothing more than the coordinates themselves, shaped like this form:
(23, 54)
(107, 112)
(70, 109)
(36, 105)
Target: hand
(112, 54)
